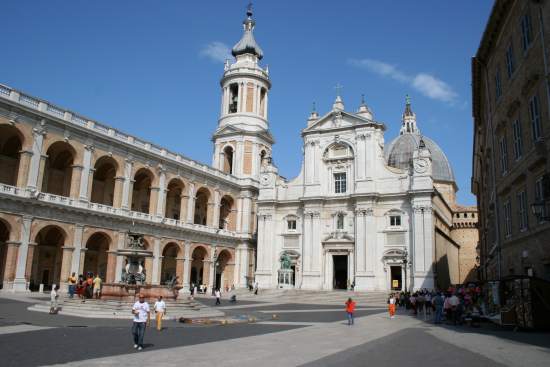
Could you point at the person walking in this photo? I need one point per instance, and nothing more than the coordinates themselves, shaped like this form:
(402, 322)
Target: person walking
(350, 309)
(72, 284)
(218, 296)
(391, 305)
(160, 311)
(97, 286)
(142, 315)
(54, 295)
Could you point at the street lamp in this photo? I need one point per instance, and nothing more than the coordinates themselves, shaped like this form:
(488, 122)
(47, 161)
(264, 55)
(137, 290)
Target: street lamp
(215, 264)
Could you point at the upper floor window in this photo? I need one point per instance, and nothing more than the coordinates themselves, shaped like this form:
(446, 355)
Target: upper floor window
(526, 31)
(291, 224)
(395, 220)
(340, 221)
(340, 183)
(522, 210)
(518, 141)
(503, 155)
(498, 84)
(534, 115)
(507, 206)
(539, 196)
(510, 62)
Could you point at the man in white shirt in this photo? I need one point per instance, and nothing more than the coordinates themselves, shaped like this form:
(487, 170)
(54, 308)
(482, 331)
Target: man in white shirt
(142, 314)
(160, 311)
(218, 296)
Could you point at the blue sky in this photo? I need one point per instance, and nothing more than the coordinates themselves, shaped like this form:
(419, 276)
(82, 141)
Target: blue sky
(152, 68)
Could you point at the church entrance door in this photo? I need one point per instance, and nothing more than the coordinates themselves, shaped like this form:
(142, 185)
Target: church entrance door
(396, 278)
(340, 280)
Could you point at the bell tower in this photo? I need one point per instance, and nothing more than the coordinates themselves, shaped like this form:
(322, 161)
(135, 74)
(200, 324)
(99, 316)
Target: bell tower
(242, 141)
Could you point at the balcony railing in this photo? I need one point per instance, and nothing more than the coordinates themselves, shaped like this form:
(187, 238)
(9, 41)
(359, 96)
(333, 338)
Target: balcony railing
(106, 209)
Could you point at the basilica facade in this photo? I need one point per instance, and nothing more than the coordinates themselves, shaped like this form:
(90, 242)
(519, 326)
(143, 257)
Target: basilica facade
(362, 213)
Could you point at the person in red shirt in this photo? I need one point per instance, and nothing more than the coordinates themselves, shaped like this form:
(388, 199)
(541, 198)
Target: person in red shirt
(350, 309)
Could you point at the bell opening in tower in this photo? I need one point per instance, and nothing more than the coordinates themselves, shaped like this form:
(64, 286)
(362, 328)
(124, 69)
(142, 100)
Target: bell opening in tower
(233, 97)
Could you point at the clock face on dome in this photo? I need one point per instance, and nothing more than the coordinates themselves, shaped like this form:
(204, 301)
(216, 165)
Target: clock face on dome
(421, 165)
(265, 180)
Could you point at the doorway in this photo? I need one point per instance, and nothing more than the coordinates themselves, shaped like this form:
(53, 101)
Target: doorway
(396, 278)
(340, 280)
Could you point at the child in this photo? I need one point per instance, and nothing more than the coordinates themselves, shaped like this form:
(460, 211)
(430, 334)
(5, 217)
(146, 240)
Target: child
(350, 309)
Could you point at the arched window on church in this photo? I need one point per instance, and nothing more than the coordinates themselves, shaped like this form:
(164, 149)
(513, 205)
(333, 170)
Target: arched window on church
(263, 93)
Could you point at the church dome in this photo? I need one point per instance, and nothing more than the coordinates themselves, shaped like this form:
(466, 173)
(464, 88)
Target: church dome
(399, 154)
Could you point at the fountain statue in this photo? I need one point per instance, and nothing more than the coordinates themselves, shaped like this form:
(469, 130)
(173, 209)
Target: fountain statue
(133, 277)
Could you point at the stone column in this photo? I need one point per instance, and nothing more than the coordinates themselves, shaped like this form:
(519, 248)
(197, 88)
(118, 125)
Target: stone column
(75, 181)
(239, 214)
(206, 277)
(246, 213)
(35, 166)
(216, 210)
(77, 243)
(120, 259)
(370, 242)
(360, 243)
(127, 189)
(20, 282)
(306, 246)
(241, 101)
(111, 266)
(10, 265)
(186, 266)
(30, 260)
(157, 262)
(65, 267)
(191, 203)
(25, 157)
(161, 200)
(183, 208)
(316, 245)
(86, 171)
(118, 191)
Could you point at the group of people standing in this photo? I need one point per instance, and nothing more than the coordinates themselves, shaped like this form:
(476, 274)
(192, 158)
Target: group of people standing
(85, 287)
(455, 305)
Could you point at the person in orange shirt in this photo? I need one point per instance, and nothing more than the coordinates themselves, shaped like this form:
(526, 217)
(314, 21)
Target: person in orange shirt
(391, 305)
(350, 309)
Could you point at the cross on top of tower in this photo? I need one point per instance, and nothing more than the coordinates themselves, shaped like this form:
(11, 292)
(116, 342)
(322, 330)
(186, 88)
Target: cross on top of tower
(338, 88)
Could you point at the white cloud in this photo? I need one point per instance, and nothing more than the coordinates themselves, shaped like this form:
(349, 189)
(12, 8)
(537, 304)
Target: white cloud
(434, 88)
(427, 84)
(216, 51)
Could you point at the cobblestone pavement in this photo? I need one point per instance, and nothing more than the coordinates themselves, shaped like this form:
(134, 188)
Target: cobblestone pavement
(284, 334)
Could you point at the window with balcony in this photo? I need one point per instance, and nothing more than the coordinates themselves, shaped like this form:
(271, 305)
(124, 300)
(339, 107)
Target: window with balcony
(510, 61)
(507, 209)
(340, 184)
(503, 156)
(518, 142)
(523, 219)
(534, 115)
(526, 31)
(498, 84)
(539, 198)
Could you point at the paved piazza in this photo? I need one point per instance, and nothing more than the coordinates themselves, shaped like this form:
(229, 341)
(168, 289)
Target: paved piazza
(301, 333)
